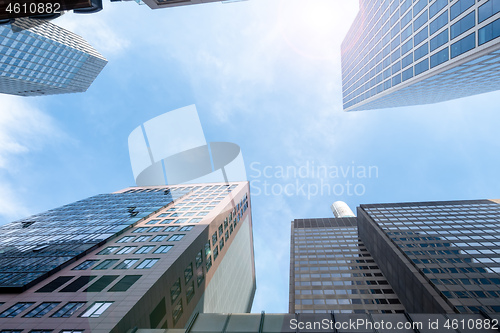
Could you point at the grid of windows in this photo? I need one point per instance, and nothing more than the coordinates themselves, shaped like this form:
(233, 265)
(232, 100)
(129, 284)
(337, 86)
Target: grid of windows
(454, 244)
(386, 29)
(333, 271)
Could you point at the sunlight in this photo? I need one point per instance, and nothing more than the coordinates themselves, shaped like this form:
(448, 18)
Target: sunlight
(316, 28)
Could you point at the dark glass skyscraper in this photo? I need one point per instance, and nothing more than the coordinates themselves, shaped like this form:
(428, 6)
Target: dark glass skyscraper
(144, 256)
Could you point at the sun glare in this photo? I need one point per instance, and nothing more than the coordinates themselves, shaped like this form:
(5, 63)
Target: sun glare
(315, 28)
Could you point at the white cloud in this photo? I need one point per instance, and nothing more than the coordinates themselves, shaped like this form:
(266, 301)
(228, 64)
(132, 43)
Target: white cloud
(23, 129)
(95, 30)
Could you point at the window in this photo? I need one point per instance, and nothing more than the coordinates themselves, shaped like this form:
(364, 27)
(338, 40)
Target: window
(221, 243)
(71, 331)
(68, 309)
(420, 36)
(153, 221)
(439, 57)
(459, 7)
(188, 273)
(126, 264)
(422, 66)
(186, 228)
(421, 51)
(176, 238)
(463, 25)
(436, 7)
(199, 278)
(407, 74)
(155, 229)
(41, 310)
(170, 229)
(105, 264)
(145, 249)
(163, 249)
(85, 265)
(142, 239)
(202, 213)
(147, 263)
(108, 250)
(158, 238)
(102, 283)
(141, 229)
(54, 284)
(125, 239)
(463, 45)
(419, 21)
(489, 32)
(177, 312)
(214, 238)
(77, 284)
(96, 309)
(487, 10)
(15, 309)
(199, 259)
(125, 283)
(175, 291)
(126, 249)
(216, 252)
(438, 23)
(167, 221)
(439, 40)
(196, 220)
(227, 235)
(38, 331)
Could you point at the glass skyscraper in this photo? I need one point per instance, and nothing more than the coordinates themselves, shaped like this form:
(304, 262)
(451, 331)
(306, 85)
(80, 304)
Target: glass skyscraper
(409, 52)
(438, 256)
(331, 270)
(149, 257)
(44, 59)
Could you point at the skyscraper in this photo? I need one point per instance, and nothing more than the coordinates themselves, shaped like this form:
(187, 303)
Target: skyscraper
(141, 257)
(400, 53)
(448, 252)
(44, 59)
(432, 257)
(331, 270)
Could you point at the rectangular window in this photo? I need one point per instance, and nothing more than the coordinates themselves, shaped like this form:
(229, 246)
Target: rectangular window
(440, 57)
(163, 249)
(105, 264)
(487, 10)
(421, 51)
(41, 310)
(67, 310)
(422, 66)
(125, 239)
(159, 238)
(108, 250)
(177, 312)
(16, 309)
(126, 249)
(54, 284)
(102, 283)
(167, 221)
(155, 229)
(126, 264)
(196, 220)
(85, 265)
(153, 222)
(395, 55)
(188, 273)
(419, 6)
(175, 291)
(420, 36)
(420, 21)
(406, 33)
(221, 242)
(77, 284)
(463, 45)
(96, 310)
(436, 7)
(489, 32)
(407, 46)
(179, 221)
(144, 249)
(142, 239)
(125, 283)
(141, 229)
(459, 7)
(199, 259)
(202, 213)
(147, 263)
(216, 252)
(176, 238)
(407, 74)
(404, 6)
(466, 23)
(439, 22)
(186, 228)
(439, 40)
(406, 19)
(408, 60)
(170, 229)
(396, 80)
(199, 278)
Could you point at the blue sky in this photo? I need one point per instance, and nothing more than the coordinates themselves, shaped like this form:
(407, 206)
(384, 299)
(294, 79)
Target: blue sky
(264, 74)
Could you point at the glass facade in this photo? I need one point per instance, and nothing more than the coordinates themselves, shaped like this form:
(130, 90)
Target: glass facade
(42, 59)
(331, 270)
(400, 52)
(455, 245)
(34, 247)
